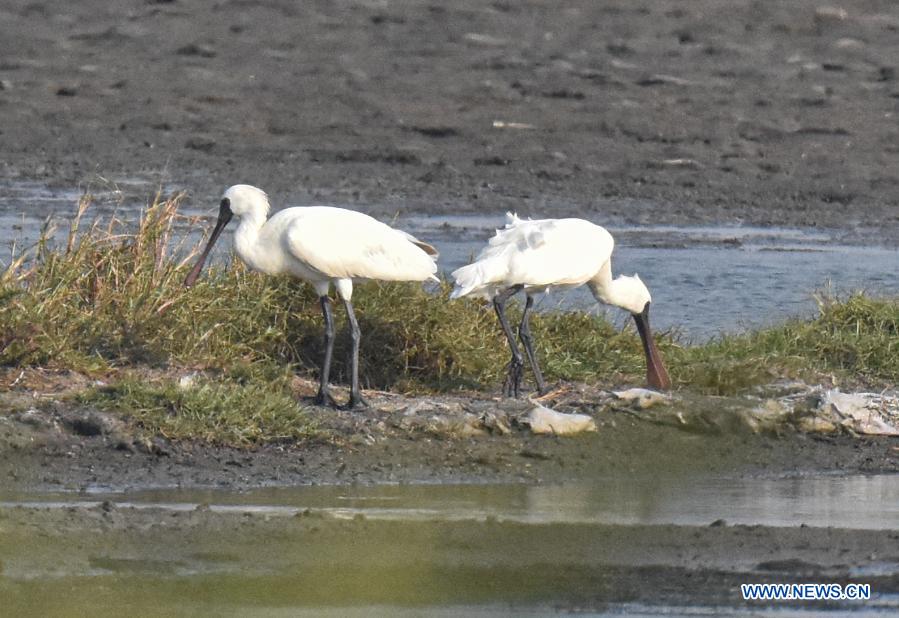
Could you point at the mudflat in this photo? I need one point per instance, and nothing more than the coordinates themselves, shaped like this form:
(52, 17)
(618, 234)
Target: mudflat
(203, 562)
(741, 112)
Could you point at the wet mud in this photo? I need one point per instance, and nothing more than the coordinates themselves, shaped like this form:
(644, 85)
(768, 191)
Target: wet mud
(105, 545)
(183, 563)
(640, 112)
(447, 439)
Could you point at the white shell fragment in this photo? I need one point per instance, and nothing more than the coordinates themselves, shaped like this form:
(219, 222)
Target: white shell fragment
(867, 413)
(814, 409)
(502, 124)
(544, 420)
(642, 397)
(485, 39)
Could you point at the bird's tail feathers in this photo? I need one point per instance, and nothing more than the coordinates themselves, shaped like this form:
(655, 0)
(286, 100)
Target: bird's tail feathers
(476, 277)
(431, 250)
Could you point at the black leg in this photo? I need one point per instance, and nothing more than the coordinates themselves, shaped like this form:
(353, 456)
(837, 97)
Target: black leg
(516, 365)
(524, 333)
(356, 399)
(324, 392)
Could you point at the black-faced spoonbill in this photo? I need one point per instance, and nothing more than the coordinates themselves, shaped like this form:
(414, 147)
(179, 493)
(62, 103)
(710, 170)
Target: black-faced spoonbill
(321, 245)
(554, 253)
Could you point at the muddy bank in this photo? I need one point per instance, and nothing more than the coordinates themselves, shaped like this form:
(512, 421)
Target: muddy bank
(67, 547)
(202, 560)
(638, 112)
(461, 438)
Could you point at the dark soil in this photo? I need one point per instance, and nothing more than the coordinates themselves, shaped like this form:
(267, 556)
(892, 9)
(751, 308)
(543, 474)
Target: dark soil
(766, 113)
(445, 439)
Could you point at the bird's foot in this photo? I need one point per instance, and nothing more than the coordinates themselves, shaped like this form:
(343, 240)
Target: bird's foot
(324, 398)
(357, 402)
(512, 384)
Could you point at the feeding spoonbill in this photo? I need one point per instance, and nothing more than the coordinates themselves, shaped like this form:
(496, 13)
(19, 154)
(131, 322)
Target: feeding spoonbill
(554, 253)
(321, 245)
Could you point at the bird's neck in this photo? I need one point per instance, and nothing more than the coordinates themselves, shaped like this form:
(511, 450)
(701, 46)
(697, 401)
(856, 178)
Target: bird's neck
(607, 290)
(246, 240)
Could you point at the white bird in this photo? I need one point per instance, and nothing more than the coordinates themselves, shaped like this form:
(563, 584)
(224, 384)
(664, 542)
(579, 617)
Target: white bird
(554, 253)
(321, 245)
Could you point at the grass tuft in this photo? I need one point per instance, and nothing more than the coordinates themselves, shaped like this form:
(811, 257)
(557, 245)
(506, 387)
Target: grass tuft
(110, 298)
(222, 411)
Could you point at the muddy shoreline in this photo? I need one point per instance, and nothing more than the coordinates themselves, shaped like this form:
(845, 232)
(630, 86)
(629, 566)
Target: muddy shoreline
(779, 114)
(204, 560)
(73, 516)
(320, 558)
(437, 439)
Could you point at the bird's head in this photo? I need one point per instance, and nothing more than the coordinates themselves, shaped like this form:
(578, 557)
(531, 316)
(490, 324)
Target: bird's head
(634, 296)
(631, 294)
(246, 200)
(239, 200)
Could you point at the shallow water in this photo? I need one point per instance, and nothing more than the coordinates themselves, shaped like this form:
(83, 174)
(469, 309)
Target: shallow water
(704, 280)
(856, 502)
(462, 554)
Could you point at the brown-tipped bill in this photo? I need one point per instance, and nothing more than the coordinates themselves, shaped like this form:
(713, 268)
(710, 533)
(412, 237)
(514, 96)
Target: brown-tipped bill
(224, 216)
(656, 374)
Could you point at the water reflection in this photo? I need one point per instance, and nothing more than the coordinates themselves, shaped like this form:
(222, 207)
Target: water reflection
(428, 549)
(856, 502)
(859, 502)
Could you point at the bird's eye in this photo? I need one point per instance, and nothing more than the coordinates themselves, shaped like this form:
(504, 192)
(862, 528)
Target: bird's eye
(226, 203)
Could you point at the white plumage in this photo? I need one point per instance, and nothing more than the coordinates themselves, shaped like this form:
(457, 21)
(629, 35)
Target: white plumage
(536, 255)
(321, 245)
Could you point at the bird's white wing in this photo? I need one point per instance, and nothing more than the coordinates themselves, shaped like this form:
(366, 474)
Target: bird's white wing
(537, 253)
(558, 252)
(343, 243)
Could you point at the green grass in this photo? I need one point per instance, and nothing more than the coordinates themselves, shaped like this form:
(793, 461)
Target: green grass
(855, 339)
(110, 298)
(222, 411)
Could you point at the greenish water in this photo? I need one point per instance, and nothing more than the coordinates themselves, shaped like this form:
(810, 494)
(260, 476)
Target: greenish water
(857, 501)
(626, 545)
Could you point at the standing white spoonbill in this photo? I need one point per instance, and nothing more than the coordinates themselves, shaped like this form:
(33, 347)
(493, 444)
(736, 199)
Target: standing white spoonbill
(321, 245)
(554, 253)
